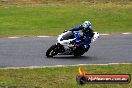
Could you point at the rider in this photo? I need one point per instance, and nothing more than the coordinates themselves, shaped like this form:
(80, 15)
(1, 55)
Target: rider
(87, 34)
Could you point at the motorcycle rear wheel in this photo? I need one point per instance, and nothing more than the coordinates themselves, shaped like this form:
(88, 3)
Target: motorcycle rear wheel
(79, 51)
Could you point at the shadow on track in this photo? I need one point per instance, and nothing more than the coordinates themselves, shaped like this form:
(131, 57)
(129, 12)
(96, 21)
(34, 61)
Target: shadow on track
(72, 57)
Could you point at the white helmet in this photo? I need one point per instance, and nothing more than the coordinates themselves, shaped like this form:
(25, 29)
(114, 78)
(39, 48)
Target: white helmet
(86, 24)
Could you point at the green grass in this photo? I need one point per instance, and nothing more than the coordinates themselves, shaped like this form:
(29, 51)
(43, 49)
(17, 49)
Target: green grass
(58, 77)
(52, 19)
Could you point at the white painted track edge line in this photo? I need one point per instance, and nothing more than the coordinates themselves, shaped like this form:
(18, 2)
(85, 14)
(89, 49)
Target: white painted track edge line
(104, 34)
(32, 67)
(14, 37)
(126, 33)
(43, 36)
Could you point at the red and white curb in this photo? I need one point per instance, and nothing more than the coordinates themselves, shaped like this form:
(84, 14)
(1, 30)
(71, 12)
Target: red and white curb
(32, 67)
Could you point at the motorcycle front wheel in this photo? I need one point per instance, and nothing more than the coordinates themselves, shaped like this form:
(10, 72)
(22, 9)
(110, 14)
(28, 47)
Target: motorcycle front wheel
(52, 51)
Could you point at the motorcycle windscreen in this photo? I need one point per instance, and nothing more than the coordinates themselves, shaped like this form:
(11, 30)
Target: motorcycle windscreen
(68, 35)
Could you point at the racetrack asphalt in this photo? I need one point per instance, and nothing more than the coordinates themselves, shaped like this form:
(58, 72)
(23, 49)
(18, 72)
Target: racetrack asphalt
(30, 51)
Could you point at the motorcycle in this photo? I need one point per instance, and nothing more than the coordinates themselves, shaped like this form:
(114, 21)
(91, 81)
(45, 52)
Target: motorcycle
(65, 46)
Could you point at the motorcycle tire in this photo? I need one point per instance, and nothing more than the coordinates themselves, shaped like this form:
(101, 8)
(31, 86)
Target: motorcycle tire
(52, 51)
(78, 51)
